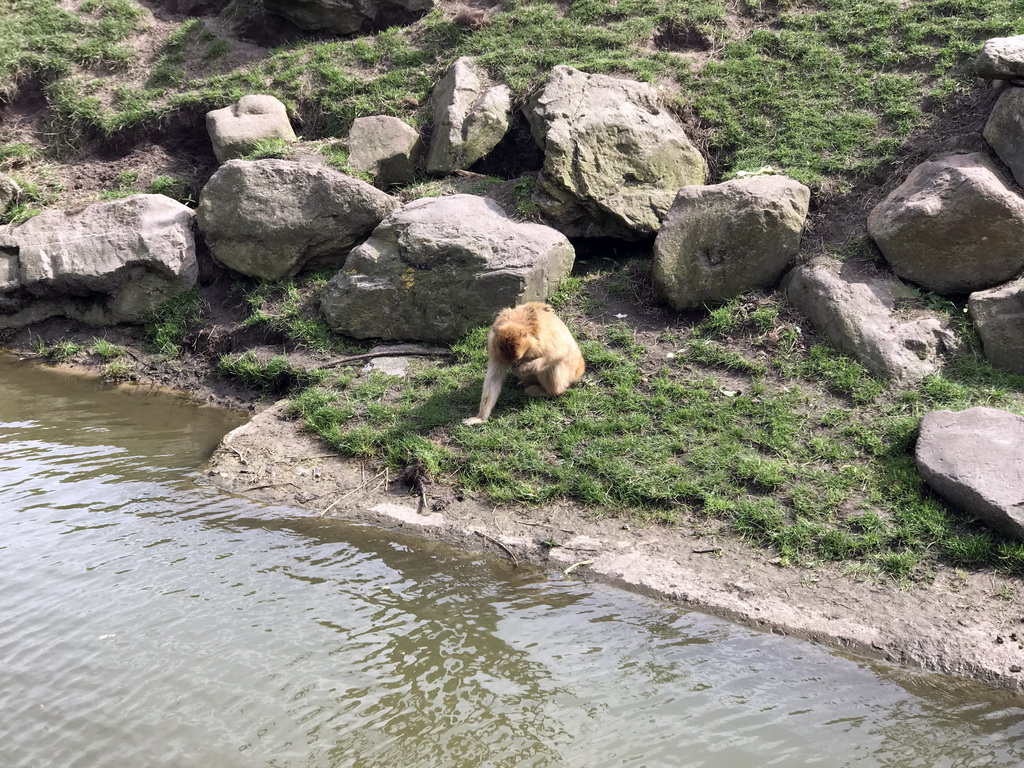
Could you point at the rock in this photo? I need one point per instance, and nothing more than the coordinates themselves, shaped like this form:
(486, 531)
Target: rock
(9, 193)
(972, 459)
(385, 148)
(954, 226)
(103, 264)
(343, 17)
(722, 240)
(236, 130)
(865, 315)
(613, 158)
(273, 218)
(470, 118)
(196, 7)
(1001, 58)
(440, 267)
(998, 316)
(1004, 131)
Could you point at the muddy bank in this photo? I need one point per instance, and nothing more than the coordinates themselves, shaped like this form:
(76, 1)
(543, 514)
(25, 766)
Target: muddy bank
(960, 623)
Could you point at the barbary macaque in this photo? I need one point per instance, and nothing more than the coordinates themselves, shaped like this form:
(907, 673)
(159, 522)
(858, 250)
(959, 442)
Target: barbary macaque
(537, 347)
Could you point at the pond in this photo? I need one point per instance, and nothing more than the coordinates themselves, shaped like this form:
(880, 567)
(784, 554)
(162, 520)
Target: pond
(148, 620)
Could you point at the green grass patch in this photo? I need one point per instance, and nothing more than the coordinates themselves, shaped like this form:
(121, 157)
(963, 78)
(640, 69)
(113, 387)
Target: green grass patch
(107, 350)
(173, 187)
(275, 375)
(170, 323)
(60, 351)
(813, 458)
(290, 308)
(118, 370)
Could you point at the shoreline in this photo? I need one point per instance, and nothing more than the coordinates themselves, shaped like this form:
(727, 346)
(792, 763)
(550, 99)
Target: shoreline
(959, 623)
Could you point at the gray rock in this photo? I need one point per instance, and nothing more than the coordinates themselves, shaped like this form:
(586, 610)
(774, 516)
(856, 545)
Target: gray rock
(954, 226)
(470, 117)
(343, 17)
(1001, 58)
(613, 158)
(998, 316)
(9, 193)
(974, 459)
(236, 130)
(385, 148)
(273, 218)
(440, 267)
(722, 240)
(866, 315)
(1004, 131)
(104, 264)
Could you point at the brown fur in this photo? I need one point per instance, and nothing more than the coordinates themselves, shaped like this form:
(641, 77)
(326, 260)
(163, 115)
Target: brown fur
(536, 346)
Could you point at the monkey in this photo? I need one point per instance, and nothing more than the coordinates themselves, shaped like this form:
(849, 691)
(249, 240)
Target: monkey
(538, 348)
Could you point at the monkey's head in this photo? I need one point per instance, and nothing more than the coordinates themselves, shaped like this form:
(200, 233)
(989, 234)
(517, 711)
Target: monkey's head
(514, 344)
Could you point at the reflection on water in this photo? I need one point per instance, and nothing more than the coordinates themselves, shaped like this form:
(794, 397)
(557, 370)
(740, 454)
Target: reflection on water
(147, 622)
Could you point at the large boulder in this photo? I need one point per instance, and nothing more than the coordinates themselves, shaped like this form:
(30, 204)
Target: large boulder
(871, 317)
(998, 316)
(236, 130)
(104, 264)
(470, 117)
(1004, 131)
(343, 17)
(1001, 58)
(440, 267)
(722, 240)
(613, 157)
(273, 218)
(954, 226)
(385, 148)
(972, 459)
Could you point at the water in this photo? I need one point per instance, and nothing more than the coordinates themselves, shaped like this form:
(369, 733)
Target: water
(145, 621)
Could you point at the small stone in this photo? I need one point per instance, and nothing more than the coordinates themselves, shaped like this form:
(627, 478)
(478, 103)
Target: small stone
(236, 130)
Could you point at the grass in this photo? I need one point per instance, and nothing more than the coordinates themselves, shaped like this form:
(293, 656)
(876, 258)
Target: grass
(173, 187)
(126, 184)
(272, 149)
(118, 370)
(826, 91)
(779, 438)
(273, 376)
(169, 324)
(289, 308)
(105, 350)
(36, 195)
(60, 351)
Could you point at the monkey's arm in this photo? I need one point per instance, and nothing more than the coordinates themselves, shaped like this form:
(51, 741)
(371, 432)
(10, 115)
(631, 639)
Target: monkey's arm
(492, 387)
(532, 367)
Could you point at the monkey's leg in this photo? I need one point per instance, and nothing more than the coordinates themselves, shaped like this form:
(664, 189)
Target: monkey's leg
(527, 381)
(537, 390)
(553, 381)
